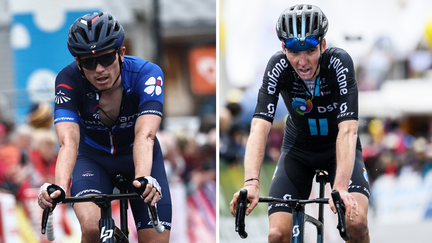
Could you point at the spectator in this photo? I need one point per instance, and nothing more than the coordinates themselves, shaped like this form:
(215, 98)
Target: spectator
(14, 166)
(44, 156)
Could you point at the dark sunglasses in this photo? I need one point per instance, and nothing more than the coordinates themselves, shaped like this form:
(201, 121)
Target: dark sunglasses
(104, 60)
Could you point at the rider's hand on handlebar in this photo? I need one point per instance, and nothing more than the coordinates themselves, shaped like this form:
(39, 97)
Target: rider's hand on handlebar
(45, 200)
(152, 191)
(252, 196)
(352, 208)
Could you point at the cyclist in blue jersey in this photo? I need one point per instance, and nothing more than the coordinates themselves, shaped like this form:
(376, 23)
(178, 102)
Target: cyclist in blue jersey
(108, 107)
(318, 86)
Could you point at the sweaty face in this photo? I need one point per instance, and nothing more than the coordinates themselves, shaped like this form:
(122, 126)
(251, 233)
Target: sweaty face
(101, 69)
(305, 62)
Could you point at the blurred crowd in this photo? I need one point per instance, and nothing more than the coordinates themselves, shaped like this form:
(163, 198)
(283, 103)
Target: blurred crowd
(28, 151)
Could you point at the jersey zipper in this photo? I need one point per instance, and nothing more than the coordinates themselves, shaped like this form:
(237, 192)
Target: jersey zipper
(111, 131)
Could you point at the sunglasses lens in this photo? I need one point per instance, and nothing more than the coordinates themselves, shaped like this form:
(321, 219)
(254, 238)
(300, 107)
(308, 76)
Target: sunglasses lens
(107, 59)
(88, 63)
(294, 44)
(104, 60)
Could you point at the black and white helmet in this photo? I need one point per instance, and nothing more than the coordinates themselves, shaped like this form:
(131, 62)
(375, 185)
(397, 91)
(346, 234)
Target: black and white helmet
(94, 33)
(302, 23)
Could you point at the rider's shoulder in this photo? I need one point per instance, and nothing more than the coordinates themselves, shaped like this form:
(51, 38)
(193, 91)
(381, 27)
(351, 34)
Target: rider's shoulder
(336, 52)
(137, 64)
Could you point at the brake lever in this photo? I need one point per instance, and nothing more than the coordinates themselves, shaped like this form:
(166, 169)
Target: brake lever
(341, 210)
(241, 213)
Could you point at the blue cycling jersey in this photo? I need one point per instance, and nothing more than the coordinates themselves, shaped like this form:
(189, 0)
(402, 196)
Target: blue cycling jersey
(77, 101)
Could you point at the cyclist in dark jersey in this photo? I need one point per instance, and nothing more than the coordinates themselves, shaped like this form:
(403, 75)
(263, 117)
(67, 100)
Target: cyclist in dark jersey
(319, 89)
(108, 108)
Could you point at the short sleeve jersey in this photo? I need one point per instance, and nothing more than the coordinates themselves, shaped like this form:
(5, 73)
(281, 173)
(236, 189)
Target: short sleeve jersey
(77, 101)
(314, 115)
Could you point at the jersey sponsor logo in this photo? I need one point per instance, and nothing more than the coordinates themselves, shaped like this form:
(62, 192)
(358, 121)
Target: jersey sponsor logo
(91, 95)
(271, 108)
(88, 191)
(64, 119)
(164, 223)
(154, 86)
(96, 115)
(274, 74)
(124, 122)
(343, 111)
(337, 65)
(358, 187)
(365, 175)
(302, 106)
(61, 98)
(329, 108)
(64, 85)
(88, 173)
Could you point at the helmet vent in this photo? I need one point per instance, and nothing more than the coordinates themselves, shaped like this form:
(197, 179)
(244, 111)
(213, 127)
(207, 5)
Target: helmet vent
(308, 23)
(299, 26)
(283, 25)
(109, 29)
(290, 24)
(98, 30)
(116, 27)
(315, 22)
(81, 31)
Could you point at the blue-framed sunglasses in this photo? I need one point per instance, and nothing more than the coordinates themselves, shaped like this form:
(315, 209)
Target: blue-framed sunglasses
(308, 43)
(104, 60)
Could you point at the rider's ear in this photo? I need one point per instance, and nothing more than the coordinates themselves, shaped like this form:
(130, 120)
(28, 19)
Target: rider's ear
(323, 45)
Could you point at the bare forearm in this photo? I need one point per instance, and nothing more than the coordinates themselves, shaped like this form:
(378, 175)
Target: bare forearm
(65, 164)
(255, 148)
(69, 136)
(345, 157)
(143, 156)
(145, 135)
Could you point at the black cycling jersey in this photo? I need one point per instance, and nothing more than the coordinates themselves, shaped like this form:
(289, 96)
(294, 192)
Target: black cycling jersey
(316, 115)
(312, 126)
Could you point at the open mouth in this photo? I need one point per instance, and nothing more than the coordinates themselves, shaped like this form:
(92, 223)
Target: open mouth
(304, 71)
(102, 80)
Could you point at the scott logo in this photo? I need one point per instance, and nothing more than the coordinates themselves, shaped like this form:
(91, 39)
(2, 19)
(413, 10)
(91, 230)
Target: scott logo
(271, 108)
(343, 107)
(296, 230)
(106, 234)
